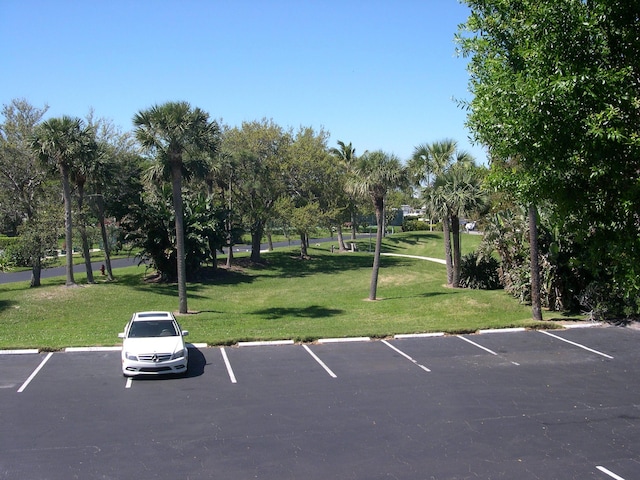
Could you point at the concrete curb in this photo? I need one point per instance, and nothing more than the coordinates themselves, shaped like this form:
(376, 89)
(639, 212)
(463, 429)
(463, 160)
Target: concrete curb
(292, 342)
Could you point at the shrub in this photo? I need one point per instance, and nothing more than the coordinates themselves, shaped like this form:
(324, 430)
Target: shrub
(606, 301)
(479, 273)
(414, 226)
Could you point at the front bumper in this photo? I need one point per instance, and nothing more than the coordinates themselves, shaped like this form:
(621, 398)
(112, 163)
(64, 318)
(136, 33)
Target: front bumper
(144, 367)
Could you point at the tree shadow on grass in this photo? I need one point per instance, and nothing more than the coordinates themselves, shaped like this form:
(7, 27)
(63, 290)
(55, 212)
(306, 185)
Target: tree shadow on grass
(279, 264)
(7, 304)
(422, 295)
(400, 243)
(288, 264)
(169, 288)
(313, 311)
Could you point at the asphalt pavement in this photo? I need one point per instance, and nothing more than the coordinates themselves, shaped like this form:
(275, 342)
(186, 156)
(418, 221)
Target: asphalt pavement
(525, 405)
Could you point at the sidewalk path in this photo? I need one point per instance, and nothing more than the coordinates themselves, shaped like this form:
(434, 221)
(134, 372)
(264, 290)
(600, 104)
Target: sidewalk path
(430, 259)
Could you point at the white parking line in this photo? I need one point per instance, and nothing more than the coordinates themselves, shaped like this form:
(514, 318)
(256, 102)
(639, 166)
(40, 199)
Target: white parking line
(576, 344)
(322, 364)
(483, 348)
(405, 355)
(129, 382)
(477, 345)
(609, 472)
(228, 364)
(35, 372)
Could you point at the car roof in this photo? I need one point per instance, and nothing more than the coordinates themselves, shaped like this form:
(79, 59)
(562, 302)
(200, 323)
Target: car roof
(151, 316)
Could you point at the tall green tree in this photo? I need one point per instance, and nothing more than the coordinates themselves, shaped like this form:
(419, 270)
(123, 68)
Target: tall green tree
(113, 178)
(450, 190)
(456, 192)
(20, 173)
(25, 193)
(308, 173)
(61, 144)
(176, 135)
(259, 149)
(374, 175)
(346, 156)
(80, 173)
(569, 116)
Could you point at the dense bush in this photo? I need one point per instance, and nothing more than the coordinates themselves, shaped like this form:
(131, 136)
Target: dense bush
(566, 282)
(419, 226)
(12, 254)
(479, 272)
(150, 227)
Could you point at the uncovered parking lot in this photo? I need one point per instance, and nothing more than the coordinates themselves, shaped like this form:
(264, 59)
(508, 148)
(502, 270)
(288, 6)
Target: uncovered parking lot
(513, 404)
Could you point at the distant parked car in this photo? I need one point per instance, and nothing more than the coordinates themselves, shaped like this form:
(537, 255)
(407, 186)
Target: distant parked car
(153, 344)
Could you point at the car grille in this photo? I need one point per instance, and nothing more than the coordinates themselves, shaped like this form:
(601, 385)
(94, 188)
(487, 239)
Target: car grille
(154, 369)
(154, 357)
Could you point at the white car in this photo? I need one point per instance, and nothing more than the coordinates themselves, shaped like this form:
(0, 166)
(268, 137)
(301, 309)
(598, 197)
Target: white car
(153, 343)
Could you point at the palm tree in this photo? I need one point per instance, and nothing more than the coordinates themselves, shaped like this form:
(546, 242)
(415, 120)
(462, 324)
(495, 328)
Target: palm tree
(455, 192)
(61, 143)
(346, 156)
(174, 132)
(374, 175)
(464, 195)
(79, 175)
(419, 166)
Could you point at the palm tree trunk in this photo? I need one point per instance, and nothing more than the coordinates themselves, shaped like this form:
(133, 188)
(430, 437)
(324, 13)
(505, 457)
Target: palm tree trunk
(341, 246)
(447, 249)
(105, 238)
(176, 186)
(536, 308)
(68, 225)
(457, 255)
(229, 226)
(379, 203)
(83, 234)
(354, 226)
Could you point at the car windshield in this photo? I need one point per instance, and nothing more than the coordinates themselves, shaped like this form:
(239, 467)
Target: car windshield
(160, 328)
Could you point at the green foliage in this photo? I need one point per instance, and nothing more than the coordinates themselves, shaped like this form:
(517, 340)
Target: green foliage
(150, 227)
(604, 301)
(562, 124)
(259, 177)
(479, 272)
(414, 225)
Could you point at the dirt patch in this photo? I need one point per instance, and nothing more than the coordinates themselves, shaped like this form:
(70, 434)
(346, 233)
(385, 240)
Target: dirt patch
(57, 293)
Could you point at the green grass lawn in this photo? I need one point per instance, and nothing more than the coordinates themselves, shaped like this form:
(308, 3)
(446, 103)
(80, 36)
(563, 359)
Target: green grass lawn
(287, 298)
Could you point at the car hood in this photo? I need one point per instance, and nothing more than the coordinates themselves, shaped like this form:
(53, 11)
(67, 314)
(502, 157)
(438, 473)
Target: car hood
(153, 345)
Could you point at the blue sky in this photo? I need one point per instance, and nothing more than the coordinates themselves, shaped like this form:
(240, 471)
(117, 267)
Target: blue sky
(380, 74)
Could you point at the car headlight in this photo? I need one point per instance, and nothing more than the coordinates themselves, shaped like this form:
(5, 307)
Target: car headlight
(178, 354)
(130, 356)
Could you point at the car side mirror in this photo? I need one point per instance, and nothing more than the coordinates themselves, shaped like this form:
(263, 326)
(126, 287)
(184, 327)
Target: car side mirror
(185, 333)
(121, 335)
